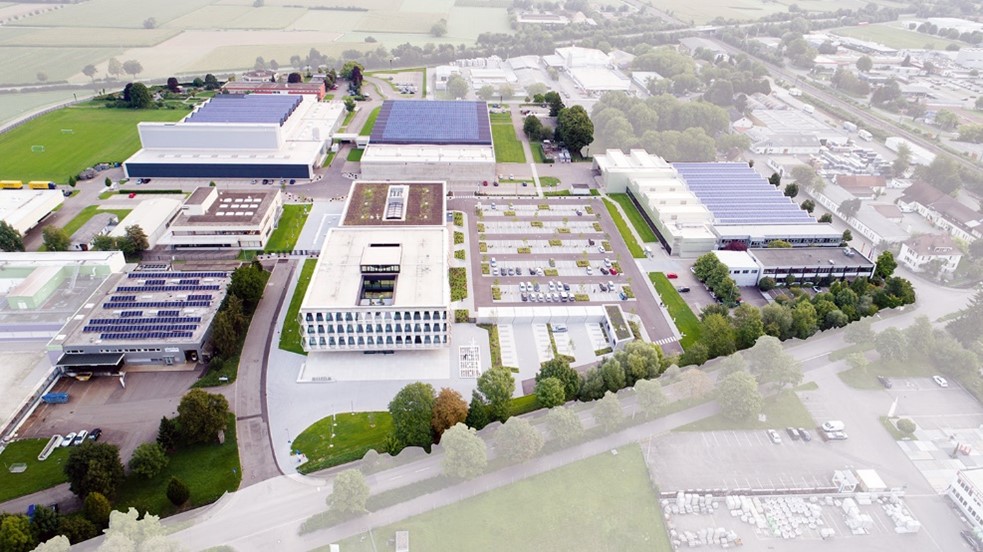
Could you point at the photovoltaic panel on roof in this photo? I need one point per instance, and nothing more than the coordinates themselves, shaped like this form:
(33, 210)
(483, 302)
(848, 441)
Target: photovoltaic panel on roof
(246, 108)
(438, 122)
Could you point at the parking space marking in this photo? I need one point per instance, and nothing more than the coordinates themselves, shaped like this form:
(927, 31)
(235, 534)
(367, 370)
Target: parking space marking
(506, 341)
(544, 349)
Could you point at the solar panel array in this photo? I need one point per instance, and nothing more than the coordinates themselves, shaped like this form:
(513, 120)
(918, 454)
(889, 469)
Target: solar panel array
(166, 323)
(439, 122)
(247, 108)
(735, 194)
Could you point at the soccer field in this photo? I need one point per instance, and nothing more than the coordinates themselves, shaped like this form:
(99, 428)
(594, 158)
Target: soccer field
(73, 138)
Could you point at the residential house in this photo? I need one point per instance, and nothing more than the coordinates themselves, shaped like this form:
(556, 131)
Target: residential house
(921, 253)
(943, 211)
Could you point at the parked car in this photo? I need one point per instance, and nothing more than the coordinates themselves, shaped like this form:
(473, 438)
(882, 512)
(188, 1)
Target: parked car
(68, 440)
(600, 249)
(524, 296)
(590, 271)
(95, 434)
(672, 275)
(885, 382)
(493, 261)
(792, 433)
(613, 271)
(774, 437)
(132, 195)
(603, 286)
(806, 436)
(972, 541)
(522, 287)
(683, 289)
(80, 438)
(836, 436)
(604, 271)
(942, 382)
(833, 425)
(566, 287)
(817, 289)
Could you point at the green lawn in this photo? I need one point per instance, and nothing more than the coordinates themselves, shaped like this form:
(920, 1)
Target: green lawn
(288, 228)
(687, 322)
(97, 134)
(629, 238)
(581, 506)
(500, 117)
(549, 181)
(290, 334)
(537, 152)
(508, 148)
(38, 476)
(459, 283)
(354, 435)
(644, 230)
(370, 122)
(782, 410)
(896, 37)
(355, 154)
(867, 378)
(208, 470)
(89, 212)
(329, 158)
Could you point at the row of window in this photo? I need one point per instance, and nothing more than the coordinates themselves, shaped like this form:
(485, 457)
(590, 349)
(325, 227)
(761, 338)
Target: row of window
(389, 340)
(117, 350)
(820, 270)
(375, 316)
(968, 507)
(368, 328)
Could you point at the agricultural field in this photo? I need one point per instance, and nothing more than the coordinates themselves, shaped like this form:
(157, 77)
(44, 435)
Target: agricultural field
(434, 6)
(244, 57)
(703, 12)
(20, 65)
(324, 20)
(12, 105)
(113, 13)
(896, 37)
(96, 37)
(97, 134)
(468, 23)
(265, 18)
(398, 22)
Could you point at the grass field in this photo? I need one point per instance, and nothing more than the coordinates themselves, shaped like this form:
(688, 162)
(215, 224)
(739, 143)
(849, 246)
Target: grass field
(354, 435)
(867, 378)
(290, 334)
(39, 475)
(644, 230)
(782, 410)
(370, 122)
(508, 148)
(702, 12)
(98, 134)
(581, 506)
(355, 154)
(398, 21)
(537, 152)
(895, 37)
(683, 316)
(13, 105)
(113, 13)
(89, 212)
(288, 229)
(629, 238)
(323, 20)
(21, 64)
(97, 37)
(209, 471)
(466, 23)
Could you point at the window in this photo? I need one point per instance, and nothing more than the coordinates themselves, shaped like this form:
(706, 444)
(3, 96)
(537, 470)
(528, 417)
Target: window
(310, 317)
(320, 317)
(320, 328)
(310, 329)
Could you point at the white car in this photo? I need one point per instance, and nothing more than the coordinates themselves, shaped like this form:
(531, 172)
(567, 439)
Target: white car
(80, 438)
(522, 286)
(942, 382)
(67, 442)
(590, 271)
(774, 437)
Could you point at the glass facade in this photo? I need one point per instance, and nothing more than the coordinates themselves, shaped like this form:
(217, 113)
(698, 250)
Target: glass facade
(375, 330)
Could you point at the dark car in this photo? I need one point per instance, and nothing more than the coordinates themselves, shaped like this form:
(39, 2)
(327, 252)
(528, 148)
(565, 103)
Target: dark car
(885, 382)
(683, 290)
(792, 433)
(972, 541)
(96, 433)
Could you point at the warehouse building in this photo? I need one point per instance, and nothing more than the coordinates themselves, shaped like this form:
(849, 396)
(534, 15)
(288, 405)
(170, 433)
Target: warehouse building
(380, 284)
(237, 219)
(806, 265)
(155, 317)
(240, 136)
(153, 216)
(99, 225)
(314, 88)
(699, 207)
(415, 140)
(24, 209)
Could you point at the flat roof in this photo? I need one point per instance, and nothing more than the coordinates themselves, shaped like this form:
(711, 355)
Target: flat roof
(432, 122)
(82, 360)
(777, 230)
(246, 108)
(150, 215)
(808, 256)
(371, 204)
(421, 281)
(231, 207)
(735, 259)
(599, 78)
(290, 153)
(276, 87)
(94, 227)
(428, 153)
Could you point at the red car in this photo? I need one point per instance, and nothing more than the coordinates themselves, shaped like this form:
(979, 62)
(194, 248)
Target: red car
(613, 272)
(132, 195)
(672, 275)
(484, 183)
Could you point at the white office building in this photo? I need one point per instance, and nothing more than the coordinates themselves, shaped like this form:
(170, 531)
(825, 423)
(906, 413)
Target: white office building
(237, 219)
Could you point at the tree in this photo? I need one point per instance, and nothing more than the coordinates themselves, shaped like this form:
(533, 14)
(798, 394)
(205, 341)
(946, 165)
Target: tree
(412, 413)
(791, 190)
(167, 434)
(202, 415)
(172, 84)
(517, 440)
(808, 206)
(651, 398)
(506, 91)
(885, 265)
(148, 460)
(739, 397)
(535, 130)
(748, 326)
(465, 454)
(247, 283)
(177, 491)
(903, 161)
(608, 412)
(847, 236)
(96, 508)
(10, 239)
(94, 468)
(478, 415)
(449, 409)
(15, 534)
(42, 76)
(77, 528)
(139, 96)
(721, 93)
(90, 71)
(775, 179)
(574, 128)
(348, 68)
(564, 425)
(150, 23)
(486, 92)
(349, 492)
(826, 218)
(613, 375)
(44, 523)
(225, 338)
(134, 242)
(114, 67)
(457, 87)
(892, 345)
(906, 426)
(104, 242)
(696, 382)
(274, 66)
(779, 244)
(695, 355)
(211, 83)
(550, 392)
(718, 336)
(946, 119)
(496, 387)
(132, 67)
(864, 63)
(771, 364)
(537, 89)
(55, 238)
(296, 78)
(439, 28)
(555, 102)
(128, 532)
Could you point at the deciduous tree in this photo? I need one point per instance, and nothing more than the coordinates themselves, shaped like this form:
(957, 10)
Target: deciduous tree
(651, 398)
(349, 492)
(449, 409)
(550, 392)
(608, 412)
(885, 265)
(496, 387)
(748, 325)
(55, 238)
(412, 414)
(696, 382)
(96, 508)
(10, 238)
(148, 460)
(564, 425)
(94, 468)
(457, 87)
(15, 534)
(517, 440)
(574, 128)
(465, 454)
(202, 415)
(718, 336)
(738, 396)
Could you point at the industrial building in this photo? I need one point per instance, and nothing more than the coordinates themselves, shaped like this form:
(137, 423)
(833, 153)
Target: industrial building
(966, 493)
(154, 317)
(240, 136)
(803, 264)
(237, 219)
(99, 225)
(699, 207)
(434, 140)
(152, 216)
(313, 88)
(943, 211)
(380, 284)
(24, 209)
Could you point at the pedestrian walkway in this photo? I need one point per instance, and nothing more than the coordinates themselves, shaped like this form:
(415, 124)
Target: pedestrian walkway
(544, 347)
(506, 342)
(563, 345)
(667, 341)
(597, 338)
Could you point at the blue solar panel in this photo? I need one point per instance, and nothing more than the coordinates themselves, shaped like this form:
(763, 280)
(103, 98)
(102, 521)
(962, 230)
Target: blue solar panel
(438, 122)
(169, 288)
(145, 275)
(246, 108)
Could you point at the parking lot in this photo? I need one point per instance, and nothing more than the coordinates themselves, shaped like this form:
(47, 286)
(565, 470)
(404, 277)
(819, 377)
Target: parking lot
(524, 243)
